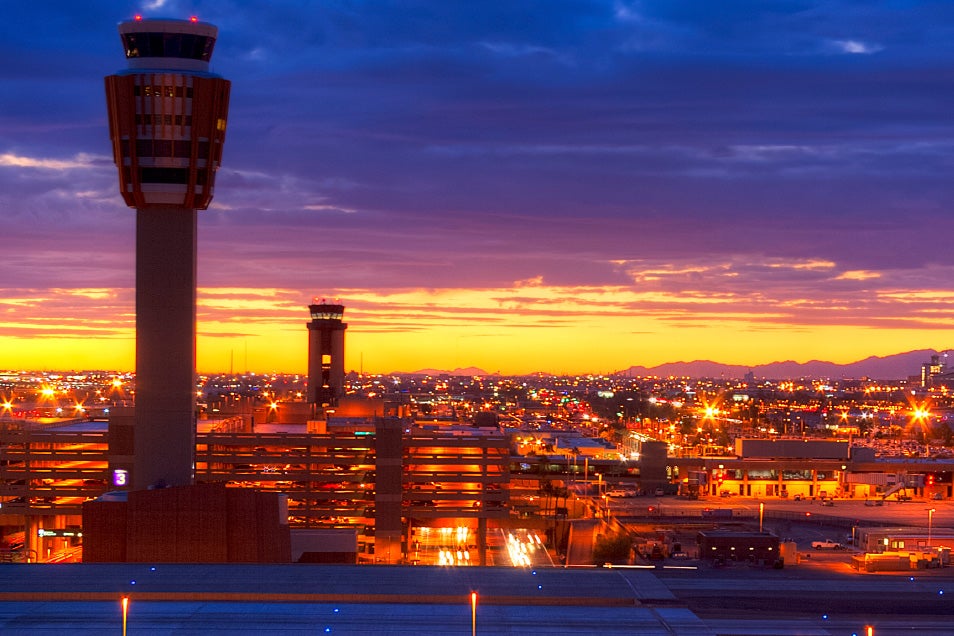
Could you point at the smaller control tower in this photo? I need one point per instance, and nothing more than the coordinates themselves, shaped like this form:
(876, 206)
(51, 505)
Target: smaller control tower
(325, 354)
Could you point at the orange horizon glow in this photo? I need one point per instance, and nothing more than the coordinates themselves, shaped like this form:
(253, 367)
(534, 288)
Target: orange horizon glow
(526, 328)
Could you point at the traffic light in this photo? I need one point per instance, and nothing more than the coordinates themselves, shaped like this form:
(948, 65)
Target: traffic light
(930, 480)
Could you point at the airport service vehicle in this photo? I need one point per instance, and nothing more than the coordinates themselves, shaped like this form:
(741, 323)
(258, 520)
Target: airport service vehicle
(827, 544)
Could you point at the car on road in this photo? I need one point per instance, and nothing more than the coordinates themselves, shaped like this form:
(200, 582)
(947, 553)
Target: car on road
(826, 544)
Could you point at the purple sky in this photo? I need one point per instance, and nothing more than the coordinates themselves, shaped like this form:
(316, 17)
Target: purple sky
(738, 166)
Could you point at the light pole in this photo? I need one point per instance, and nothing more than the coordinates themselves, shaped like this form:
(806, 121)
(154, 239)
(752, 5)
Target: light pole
(599, 494)
(473, 614)
(125, 612)
(761, 514)
(930, 524)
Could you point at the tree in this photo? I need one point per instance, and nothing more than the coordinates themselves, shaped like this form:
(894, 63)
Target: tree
(545, 491)
(612, 548)
(942, 431)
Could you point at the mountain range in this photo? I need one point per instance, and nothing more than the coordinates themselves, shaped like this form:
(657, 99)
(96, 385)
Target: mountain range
(894, 367)
(899, 366)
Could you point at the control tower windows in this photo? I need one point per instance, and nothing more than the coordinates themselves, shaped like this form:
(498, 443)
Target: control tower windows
(184, 45)
(170, 175)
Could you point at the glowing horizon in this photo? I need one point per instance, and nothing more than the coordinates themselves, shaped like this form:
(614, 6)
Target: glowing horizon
(571, 188)
(517, 330)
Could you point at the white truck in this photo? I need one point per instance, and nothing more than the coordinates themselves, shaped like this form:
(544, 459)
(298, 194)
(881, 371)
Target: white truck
(826, 544)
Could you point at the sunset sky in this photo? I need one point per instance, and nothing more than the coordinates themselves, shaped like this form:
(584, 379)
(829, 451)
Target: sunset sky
(558, 185)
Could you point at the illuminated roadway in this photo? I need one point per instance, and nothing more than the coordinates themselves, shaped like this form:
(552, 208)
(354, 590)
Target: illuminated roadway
(457, 547)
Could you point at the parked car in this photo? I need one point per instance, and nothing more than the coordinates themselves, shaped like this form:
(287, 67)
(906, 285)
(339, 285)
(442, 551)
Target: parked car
(826, 544)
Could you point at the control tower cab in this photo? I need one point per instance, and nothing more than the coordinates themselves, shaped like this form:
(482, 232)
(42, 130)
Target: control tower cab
(167, 114)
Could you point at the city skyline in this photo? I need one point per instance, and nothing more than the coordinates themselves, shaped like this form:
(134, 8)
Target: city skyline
(560, 186)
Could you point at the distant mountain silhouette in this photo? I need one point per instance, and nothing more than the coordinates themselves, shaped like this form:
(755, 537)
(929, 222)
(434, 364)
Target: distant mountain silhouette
(466, 372)
(894, 367)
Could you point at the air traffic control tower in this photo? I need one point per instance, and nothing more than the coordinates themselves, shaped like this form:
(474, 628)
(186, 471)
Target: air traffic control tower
(167, 116)
(326, 333)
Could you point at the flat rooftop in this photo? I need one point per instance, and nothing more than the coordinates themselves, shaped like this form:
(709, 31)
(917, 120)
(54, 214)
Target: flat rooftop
(84, 599)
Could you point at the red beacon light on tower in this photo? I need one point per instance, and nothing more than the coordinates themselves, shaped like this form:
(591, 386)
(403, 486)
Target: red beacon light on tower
(192, 18)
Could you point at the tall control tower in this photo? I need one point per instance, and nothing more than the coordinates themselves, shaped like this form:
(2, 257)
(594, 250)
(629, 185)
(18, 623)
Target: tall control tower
(167, 116)
(326, 354)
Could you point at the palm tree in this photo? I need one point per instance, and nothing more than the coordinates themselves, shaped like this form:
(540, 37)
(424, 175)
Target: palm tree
(545, 490)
